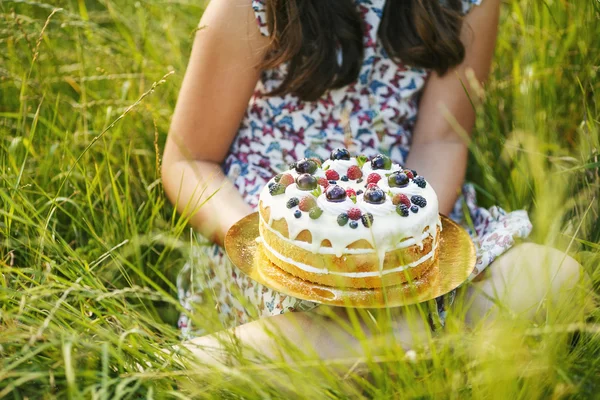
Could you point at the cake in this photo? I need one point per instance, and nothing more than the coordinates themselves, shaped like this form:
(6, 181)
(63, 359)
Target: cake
(350, 222)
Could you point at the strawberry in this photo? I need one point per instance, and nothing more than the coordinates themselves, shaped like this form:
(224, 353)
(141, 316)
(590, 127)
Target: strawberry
(323, 182)
(371, 185)
(354, 214)
(354, 173)
(409, 173)
(401, 198)
(350, 192)
(286, 180)
(373, 178)
(332, 175)
(306, 203)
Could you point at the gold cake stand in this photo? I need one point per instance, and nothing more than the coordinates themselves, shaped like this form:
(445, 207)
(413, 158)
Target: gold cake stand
(456, 261)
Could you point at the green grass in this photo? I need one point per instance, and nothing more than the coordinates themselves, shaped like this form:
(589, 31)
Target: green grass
(90, 247)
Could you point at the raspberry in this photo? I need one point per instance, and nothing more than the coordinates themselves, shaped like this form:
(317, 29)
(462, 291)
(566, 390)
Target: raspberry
(323, 182)
(277, 189)
(402, 210)
(315, 212)
(350, 192)
(353, 224)
(401, 198)
(420, 181)
(332, 175)
(373, 178)
(354, 173)
(293, 202)
(419, 200)
(371, 185)
(354, 214)
(306, 203)
(367, 220)
(286, 180)
(342, 219)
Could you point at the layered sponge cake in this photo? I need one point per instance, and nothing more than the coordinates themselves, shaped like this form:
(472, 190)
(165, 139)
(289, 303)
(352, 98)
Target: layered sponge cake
(350, 222)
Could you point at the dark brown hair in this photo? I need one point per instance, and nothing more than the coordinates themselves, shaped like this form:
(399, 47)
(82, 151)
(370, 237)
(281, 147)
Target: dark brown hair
(308, 34)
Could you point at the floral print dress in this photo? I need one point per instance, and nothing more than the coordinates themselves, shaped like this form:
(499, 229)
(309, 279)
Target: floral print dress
(376, 114)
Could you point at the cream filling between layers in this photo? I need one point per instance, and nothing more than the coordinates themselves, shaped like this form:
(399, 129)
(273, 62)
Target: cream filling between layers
(325, 271)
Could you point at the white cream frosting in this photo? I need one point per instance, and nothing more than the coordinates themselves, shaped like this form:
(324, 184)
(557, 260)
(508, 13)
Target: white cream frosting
(388, 231)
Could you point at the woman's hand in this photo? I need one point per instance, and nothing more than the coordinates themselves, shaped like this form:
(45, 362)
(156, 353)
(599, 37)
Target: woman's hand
(438, 152)
(216, 89)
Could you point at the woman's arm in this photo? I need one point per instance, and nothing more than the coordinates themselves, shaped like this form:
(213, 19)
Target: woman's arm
(437, 151)
(217, 86)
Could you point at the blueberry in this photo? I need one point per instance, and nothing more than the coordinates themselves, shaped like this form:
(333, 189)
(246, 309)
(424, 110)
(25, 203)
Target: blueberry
(381, 162)
(306, 182)
(333, 182)
(418, 200)
(293, 202)
(367, 220)
(374, 195)
(359, 180)
(297, 213)
(344, 178)
(420, 181)
(414, 172)
(402, 210)
(340, 154)
(306, 166)
(277, 189)
(359, 192)
(271, 184)
(353, 224)
(398, 179)
(414, 209)
(342, 219)
(335, 193)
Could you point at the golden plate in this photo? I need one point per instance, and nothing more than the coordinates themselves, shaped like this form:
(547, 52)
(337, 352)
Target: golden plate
(456, 261)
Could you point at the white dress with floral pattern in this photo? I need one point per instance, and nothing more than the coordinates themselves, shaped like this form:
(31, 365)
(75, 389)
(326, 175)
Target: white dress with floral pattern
(375, 114)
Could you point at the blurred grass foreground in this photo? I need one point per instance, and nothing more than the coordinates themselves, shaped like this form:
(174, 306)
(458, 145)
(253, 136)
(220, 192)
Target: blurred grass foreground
(90, 247)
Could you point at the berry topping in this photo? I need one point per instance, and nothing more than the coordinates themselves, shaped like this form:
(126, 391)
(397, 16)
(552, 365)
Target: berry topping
(315, 212)
(367, 220)
(293, 202)
(307, 203)
(350, 192)
(402, 210)
(419, 200)
(414, 209)
(409, 173)
(354, 214)
(323, 182)
(359, 192)
(354, 173)
(374, 195)
(344, 178)
(353, 224)
(342, 219)
(420, 181)
(333, 182)
(381, 162)
(401, 198)
(373, 178)
(332, 175)
(277, 178)
(335, 194)
(286, 180)
(306, 166)
(317, 160)
(277, 189)
(306, 182)
(297, 213)
(340, 154)
(398, 179)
